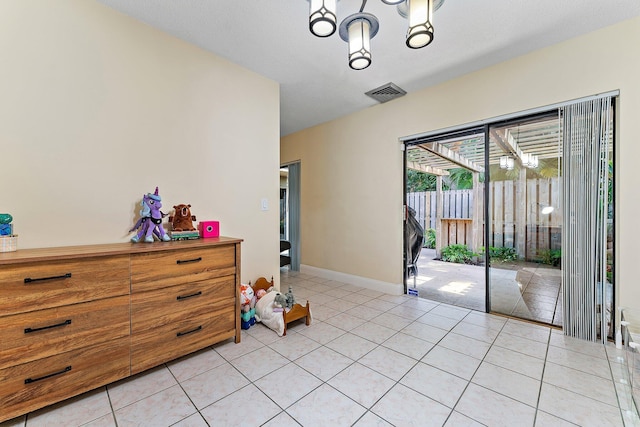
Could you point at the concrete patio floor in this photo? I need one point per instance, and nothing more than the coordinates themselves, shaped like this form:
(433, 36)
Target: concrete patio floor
(522, 289)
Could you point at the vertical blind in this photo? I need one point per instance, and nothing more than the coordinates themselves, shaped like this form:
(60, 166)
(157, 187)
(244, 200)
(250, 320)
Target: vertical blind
(587, 131)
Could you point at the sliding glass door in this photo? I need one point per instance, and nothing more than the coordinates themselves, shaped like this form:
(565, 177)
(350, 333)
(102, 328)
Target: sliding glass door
(525, 219)
(445, 203)
(520, 210)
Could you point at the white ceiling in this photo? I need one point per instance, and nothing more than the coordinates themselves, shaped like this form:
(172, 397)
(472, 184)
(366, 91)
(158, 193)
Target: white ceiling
(271, 37)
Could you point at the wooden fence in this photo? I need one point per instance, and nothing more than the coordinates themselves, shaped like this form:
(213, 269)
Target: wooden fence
(455, 204)
(515, 209)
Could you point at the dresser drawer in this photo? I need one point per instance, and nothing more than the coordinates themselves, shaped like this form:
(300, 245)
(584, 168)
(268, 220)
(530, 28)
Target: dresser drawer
(38, 334)
(181, 336)
(160, 269)
(33, 385)
(153, 308)
(35, 286)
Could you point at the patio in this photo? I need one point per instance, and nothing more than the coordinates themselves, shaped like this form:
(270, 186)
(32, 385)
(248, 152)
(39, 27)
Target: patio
(523, 289)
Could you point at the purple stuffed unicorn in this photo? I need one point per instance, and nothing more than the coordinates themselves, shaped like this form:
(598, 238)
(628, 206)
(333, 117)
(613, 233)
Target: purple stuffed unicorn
(150, 222)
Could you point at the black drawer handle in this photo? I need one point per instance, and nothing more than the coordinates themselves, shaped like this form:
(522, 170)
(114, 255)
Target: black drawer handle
(57, 325)
(187, 261)
(183, 297)
(33, 380)
(42, 279)
(181, 334)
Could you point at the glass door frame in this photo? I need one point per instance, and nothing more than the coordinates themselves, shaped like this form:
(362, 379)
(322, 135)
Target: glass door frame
(459, 133)
(535, 300)
(484, 127)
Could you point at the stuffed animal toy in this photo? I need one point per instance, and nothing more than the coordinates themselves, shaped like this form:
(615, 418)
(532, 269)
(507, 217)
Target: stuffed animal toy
(290, 299)
(150, 222)
(182, 220)
(246, 294)
(279, 302)
(247, 303)
(260, 293)
(247, 317)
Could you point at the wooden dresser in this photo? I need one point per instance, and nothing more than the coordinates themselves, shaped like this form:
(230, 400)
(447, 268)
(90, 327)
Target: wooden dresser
(76, 318)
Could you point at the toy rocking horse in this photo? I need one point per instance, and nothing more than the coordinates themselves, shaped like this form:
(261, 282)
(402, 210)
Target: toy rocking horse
(150, 222)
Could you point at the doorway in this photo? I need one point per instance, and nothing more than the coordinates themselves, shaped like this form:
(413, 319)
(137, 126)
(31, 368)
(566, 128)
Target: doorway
(525, 218)
(290, 216)
(444, 194)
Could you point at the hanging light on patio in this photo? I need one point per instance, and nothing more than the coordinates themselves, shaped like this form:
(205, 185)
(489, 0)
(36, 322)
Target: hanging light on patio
(529, 160)
(507, 163)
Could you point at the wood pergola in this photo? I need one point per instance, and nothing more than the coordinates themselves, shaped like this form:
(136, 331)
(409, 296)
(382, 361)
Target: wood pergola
(439, 157)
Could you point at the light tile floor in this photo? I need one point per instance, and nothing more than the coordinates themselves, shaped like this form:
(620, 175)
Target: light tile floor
(368, 359)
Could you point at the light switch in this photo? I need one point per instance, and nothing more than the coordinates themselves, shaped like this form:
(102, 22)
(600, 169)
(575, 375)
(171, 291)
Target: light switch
(264, 204)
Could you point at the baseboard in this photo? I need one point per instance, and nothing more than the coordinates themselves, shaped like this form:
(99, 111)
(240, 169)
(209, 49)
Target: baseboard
(376, 285)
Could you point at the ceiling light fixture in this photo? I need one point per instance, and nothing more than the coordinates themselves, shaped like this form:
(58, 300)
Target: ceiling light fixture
(322, 17)
(359, 28)
(420, 32)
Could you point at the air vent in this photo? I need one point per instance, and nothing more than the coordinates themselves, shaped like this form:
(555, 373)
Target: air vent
(386, 93)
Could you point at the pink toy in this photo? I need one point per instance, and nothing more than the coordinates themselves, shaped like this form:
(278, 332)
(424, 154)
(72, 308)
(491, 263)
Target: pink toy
(209, 229)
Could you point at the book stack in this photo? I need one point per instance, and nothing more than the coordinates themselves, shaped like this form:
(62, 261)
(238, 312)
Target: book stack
(184, 235)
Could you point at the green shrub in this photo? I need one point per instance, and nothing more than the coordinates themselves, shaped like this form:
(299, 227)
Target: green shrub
(551, 257)
(502, 254)
(430, 238)
(459, 254)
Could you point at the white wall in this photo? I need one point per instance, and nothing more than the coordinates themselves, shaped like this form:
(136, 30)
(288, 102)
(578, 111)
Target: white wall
(352, 167)
(97, 109)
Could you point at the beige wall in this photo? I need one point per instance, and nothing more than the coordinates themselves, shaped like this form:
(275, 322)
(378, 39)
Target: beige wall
(352, 167)
(98, 109)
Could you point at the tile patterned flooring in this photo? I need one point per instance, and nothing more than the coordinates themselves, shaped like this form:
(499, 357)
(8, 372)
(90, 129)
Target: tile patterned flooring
(367, 359)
